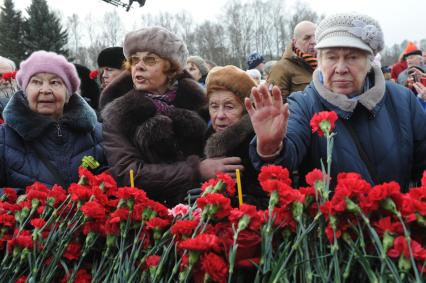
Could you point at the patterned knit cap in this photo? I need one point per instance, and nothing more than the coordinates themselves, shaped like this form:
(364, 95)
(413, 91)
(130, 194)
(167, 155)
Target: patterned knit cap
(350, 30)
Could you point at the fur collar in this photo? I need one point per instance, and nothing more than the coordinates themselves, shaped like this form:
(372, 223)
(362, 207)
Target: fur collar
(369, 99)
(30, 125)
(127, 112)
(189, 94)
(220, 144)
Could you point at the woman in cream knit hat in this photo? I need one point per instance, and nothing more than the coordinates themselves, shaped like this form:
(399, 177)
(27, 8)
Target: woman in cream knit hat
(381, 130)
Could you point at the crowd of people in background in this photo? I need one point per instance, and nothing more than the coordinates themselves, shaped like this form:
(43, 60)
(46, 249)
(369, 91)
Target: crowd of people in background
(178, 120)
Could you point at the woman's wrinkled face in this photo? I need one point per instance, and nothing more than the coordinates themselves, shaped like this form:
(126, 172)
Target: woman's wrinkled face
(148, 72)
(344, 69)
(225, 109)
(194, 71)
(47, 94)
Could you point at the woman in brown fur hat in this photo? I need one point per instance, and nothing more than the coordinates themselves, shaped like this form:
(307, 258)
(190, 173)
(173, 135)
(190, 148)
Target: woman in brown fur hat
(151, 120)
(231, 131)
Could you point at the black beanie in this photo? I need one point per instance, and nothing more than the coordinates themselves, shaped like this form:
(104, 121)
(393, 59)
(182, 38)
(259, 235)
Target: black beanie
(89, 88)
(112, 57)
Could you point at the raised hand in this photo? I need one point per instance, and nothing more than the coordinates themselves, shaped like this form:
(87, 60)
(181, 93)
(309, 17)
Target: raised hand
(421, 89)
(269, 118)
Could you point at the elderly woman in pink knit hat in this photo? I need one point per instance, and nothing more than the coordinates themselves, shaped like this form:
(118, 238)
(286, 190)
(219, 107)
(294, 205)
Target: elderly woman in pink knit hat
(48, 128)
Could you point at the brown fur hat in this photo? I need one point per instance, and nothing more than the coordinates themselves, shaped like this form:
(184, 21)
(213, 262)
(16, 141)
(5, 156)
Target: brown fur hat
(157, 40)
(230, 78)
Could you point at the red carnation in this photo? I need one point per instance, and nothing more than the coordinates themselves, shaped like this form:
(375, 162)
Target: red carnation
(157, 207)
(93, 210)
(22, 279)
(56, 195)
(79, 192)
(24, 241)
(7, 220)
(400, 246)
(93, 74)
(385, 224)
(229, 182)
(215, 266)
(215, 205)
(38, 223)
(152, 261)
(90, 178)
(184, 228)
(9, 76)
(314, 176)
(288, 196)
(73, 251)
(131, 193)
(202, 242)
(10, 194)
(249, 210)
(157, 223)
(107, 182)
(274, 172)
(323, 122)
(226, 179)
(121, 214)
(82, 276)
(283, 218)
(38, 194)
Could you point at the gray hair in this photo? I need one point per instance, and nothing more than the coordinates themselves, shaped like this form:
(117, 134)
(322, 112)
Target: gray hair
(8, 62)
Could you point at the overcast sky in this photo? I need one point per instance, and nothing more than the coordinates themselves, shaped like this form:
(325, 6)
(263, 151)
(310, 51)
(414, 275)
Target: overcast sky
(400, 19)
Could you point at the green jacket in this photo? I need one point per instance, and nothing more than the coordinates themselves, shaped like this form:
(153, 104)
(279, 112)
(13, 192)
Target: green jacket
(290, 73)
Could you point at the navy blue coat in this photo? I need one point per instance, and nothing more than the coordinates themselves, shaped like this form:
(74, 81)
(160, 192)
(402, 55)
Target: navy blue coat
(393, 135)
(64, 142)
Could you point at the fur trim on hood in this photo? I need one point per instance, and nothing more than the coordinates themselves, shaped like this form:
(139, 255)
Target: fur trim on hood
(30, 125)
(220, 144)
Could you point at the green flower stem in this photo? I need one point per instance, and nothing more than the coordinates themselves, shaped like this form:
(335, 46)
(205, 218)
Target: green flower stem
(408, 238)
(330, 142)
(233, 252)
(282, 266)
(379, 247)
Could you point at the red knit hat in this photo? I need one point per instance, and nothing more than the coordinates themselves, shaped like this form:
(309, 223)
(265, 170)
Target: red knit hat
(411, 49)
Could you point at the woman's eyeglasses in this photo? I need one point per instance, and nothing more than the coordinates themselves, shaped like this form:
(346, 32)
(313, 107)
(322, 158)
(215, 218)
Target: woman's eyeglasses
(148, 60)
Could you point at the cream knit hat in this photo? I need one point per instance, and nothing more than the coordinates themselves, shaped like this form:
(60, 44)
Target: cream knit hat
(350, 30)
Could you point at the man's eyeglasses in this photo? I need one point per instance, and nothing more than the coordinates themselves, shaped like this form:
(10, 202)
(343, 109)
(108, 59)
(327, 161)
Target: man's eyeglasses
(148, 60)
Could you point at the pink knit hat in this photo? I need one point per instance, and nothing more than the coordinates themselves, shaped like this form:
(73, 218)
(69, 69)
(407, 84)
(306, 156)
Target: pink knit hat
(48, 62)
